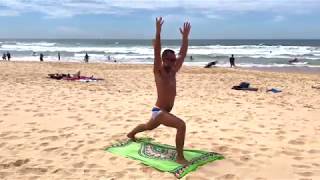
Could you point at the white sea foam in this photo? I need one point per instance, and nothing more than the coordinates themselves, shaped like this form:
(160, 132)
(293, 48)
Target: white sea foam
(252, 51)
(246, 55)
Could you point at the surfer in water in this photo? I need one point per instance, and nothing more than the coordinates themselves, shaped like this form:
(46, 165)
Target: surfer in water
(295, 60)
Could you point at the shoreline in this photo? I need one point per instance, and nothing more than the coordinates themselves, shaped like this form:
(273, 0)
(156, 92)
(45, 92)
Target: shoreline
(293, 69)
(303, 70)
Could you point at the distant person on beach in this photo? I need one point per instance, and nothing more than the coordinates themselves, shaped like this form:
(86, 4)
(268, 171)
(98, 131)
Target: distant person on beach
(41, 57)
(165, 68)
(191, 58)
(232, 63)
(4, 57)
(86, 58)
(8, 56)
(59, 56)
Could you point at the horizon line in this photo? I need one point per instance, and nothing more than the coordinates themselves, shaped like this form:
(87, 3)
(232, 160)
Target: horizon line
(161, 39)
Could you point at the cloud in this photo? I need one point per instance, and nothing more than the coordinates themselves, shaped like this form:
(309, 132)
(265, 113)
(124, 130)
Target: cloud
(69, 8)
(8, 13)
(279, 18)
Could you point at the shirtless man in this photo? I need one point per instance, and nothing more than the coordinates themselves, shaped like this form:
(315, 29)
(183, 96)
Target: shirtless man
(165, 68)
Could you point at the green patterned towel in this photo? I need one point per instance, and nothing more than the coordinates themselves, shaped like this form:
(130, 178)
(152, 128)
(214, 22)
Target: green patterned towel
(161, 156)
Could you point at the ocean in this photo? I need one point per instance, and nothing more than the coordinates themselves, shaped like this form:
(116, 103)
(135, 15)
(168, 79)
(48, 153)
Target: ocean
(248, 53)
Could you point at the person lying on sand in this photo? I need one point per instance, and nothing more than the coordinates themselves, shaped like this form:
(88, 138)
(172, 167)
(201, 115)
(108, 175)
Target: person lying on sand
(61, 76)
(165, 68)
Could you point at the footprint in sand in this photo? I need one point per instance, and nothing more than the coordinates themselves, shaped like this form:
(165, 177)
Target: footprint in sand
(225, 130)
(119, 175)
(61, 172)
(44, 144)
(280, 132)
(130, 162)
(316, 164)
(305, 174)
(260, 178)
(113, 158)
(20, 162)
(16, 163)
(78, 165)
(291, 153)
(144, 169)
(296, 142)
(2, 144)
(39, 115)
(11, 137)
(37, 171)
(45, 131)
(298, 158)
(77, 147)
(301, 166)
(223, 148)
(280, 138)
(34, 129)
(51, 138)
(228, 177)
(91, 142)
(89, 151)
(245, 158)
(166, 135)
(264, 149)
(93, 166)
(51, 149)
(314, 151)
(64, 154)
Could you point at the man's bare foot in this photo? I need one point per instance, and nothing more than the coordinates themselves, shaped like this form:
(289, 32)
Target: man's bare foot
(182, 161)
(131, 136)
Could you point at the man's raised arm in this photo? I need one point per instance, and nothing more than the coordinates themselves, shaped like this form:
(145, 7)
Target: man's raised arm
(157, 46)
(184, 47)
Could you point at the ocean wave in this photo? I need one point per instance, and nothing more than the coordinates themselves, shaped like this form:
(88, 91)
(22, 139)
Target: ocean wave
(45, 44)
(200, 53)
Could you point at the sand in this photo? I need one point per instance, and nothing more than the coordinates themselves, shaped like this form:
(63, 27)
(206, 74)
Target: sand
(58, 129)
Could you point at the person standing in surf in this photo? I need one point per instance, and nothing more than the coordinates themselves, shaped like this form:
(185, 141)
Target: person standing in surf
(232, 63)
(165, 68)
(86, 58)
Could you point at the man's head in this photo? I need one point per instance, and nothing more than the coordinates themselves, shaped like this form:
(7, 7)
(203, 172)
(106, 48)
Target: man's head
(168, 58)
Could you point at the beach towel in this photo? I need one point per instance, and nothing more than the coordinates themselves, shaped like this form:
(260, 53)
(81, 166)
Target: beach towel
(83, 79)
(162, 156)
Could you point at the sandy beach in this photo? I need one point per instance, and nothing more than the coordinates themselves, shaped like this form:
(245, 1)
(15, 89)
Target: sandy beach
(54, 129)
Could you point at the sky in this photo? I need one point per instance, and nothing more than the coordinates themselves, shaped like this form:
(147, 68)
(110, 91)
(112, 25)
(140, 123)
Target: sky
(135, 19)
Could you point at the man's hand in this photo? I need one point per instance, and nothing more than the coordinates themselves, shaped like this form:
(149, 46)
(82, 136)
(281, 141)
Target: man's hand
(157, 46)
(159, 23)
(186, 29)
(184, 46)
